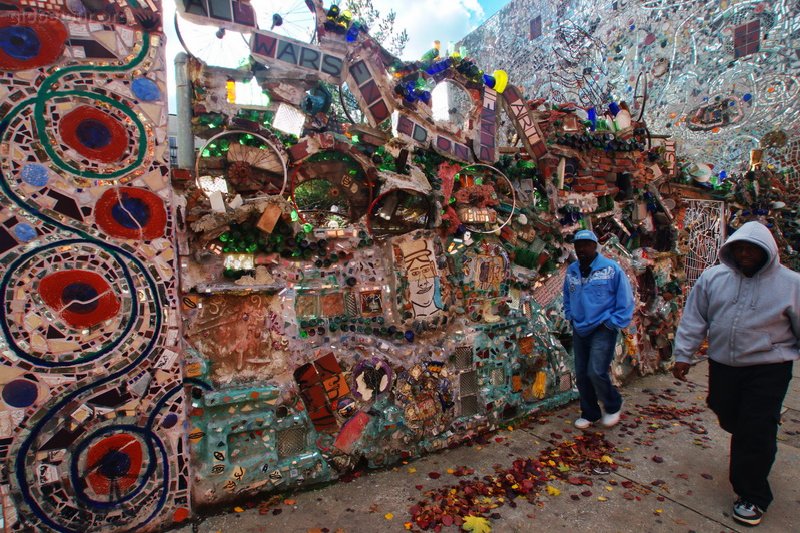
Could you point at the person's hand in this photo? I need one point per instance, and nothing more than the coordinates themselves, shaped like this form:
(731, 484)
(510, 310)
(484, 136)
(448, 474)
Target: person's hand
(680, 369)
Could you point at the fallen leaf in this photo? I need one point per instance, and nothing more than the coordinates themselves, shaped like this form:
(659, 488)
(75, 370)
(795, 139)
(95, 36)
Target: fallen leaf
(602, 499)
(476, 524)
(238, 509)
(447, 520)
(388, 516)
(552, 491)
(412, 470)
(657, 459)
(586, 493)
(434, 475)
(707, 476)
(289, 501)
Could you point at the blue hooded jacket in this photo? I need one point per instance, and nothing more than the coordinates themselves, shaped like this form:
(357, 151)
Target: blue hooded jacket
(605, 297)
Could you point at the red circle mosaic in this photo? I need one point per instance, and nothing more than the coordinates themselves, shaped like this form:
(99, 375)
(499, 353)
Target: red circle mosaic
(131, 213)
(28, 42)
(94, 134)
(115, 460)
(83, 299)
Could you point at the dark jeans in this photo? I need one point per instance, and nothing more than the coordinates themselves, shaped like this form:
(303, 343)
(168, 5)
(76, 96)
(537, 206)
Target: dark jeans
(593, 355)
(747, 400)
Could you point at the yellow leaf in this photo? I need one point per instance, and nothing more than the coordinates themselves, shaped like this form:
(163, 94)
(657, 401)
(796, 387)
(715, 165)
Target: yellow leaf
(476, 524)
(408, 525)
(552, 491)
(511, 428)
(659, 511)
(609, 489)
(388, 516)
(238, 509)
(607, 459)
(412, 470)
(602, 499)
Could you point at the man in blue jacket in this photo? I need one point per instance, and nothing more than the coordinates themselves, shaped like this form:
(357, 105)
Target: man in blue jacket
(598, 301)
(748, 306)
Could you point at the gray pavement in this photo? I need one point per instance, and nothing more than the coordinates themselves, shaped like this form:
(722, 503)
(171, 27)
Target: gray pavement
(671, 476)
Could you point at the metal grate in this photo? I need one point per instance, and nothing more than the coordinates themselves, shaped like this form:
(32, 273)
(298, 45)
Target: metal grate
(565, 383)
(468, 383)
(291, 441)
(469, 406)
(497, 377)
(463, 357)
(703, 220)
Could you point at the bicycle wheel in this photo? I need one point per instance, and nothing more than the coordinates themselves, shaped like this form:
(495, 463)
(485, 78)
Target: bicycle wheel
(296, 19)
(215, 46)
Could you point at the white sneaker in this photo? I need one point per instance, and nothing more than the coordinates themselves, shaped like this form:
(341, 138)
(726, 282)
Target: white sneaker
(611, 419)
(582, 423)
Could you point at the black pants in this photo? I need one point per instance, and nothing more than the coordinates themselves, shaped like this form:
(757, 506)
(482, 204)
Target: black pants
(747, 400)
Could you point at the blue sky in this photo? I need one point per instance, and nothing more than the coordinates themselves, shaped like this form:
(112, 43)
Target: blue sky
(449, 21)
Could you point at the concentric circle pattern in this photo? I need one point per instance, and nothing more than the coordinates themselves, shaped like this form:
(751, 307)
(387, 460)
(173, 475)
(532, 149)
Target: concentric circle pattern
(131, 213)
(94, 134)
(30, 42)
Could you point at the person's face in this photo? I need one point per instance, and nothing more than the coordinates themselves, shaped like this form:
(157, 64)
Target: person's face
(749, 257)
(585, 250)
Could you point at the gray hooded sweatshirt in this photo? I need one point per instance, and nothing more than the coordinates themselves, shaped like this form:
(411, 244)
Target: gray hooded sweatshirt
(749, 321)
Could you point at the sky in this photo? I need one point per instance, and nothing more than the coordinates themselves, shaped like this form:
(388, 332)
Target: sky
(448, 22)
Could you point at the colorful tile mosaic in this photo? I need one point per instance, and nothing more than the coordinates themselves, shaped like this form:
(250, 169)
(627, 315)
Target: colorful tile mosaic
(92, 404)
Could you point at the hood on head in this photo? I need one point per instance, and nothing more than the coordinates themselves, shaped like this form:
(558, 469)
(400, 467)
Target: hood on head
(756, 233)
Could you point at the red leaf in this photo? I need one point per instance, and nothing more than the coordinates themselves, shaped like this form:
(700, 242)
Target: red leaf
(434, 475)
(683, 476)
(574, 496)
(657, 459)
(447, 520)
(418, 487)
(628, 496)
(586, 493)
(707, 476)
(575, 480)
(627, 484)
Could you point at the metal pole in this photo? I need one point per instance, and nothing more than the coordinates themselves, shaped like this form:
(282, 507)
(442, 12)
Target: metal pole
(183, 95)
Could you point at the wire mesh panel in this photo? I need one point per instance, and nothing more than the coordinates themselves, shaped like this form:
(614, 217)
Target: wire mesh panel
(497, 377)
(463, 357)
(291, 441)
(705, 224)
(469, 405)
(469, 383)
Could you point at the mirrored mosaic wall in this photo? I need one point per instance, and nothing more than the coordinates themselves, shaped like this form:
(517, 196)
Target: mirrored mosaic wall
(92, 410)
(718, 76)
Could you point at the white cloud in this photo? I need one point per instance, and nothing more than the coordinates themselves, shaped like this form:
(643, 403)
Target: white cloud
(447, 21)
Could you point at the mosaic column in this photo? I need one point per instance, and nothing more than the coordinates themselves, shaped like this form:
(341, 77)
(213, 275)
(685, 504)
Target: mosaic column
(91, 397)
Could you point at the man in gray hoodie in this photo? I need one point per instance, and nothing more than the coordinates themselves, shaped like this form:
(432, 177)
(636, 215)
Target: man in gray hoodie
(748, 306)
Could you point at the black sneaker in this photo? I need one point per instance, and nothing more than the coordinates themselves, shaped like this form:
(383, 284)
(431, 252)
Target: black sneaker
(747, 513)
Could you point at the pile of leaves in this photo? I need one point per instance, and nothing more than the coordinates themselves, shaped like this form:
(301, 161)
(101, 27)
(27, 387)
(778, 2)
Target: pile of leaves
(471, 502)
(659, 414)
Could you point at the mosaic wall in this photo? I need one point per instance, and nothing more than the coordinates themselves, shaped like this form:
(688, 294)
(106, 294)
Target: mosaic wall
(92, 411)
(363, 282)
(720, 77)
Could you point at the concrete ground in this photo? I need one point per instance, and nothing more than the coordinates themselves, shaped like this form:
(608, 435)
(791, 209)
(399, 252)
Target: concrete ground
(669, 474)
